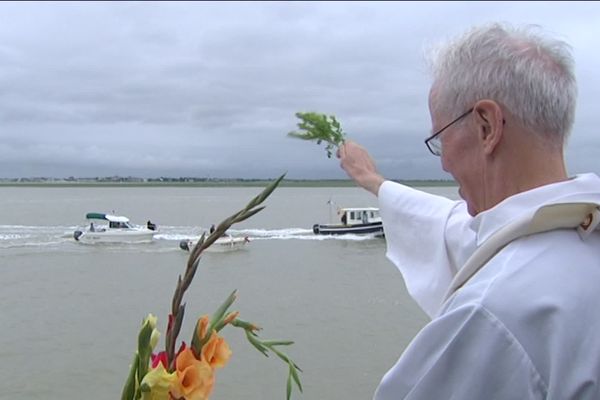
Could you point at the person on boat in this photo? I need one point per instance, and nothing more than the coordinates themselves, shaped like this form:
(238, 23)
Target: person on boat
(212, 229)
(509, 274)
(92, 228)
(344, 219)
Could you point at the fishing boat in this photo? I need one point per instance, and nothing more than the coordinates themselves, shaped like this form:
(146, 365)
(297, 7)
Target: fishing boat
(108, 228)
(365, 220)
(223, 244)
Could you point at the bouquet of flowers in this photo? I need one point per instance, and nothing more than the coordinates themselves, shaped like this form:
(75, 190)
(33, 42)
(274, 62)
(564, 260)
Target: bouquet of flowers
(189, 372)
(320, 127)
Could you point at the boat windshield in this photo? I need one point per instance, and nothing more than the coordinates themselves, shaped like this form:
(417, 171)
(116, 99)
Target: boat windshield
(119, 225)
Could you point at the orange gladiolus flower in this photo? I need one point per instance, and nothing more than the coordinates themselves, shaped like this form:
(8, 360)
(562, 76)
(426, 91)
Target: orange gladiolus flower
(195, 377)
(202, 326)
(230, 317)
(216, 351)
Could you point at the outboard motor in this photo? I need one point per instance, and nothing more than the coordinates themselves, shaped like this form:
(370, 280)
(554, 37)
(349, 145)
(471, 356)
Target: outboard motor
(77, 235)
(151, 226)
(184, 245)
(316, 229)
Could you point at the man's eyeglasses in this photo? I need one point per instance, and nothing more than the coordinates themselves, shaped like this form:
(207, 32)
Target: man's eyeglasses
(433, 142)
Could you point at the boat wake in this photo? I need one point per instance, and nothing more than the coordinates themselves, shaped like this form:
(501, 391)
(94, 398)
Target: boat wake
(46, 237)
(181, 233)
(12, 236)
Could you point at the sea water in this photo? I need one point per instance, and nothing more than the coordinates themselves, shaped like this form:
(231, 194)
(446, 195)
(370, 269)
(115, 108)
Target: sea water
(70, 313)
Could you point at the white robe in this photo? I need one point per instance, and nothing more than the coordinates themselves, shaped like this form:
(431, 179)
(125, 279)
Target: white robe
(525, 326)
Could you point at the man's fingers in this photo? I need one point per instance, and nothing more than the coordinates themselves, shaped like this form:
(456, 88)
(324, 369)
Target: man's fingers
(340, 151)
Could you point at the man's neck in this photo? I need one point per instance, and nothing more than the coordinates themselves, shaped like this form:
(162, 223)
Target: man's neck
(529, 168)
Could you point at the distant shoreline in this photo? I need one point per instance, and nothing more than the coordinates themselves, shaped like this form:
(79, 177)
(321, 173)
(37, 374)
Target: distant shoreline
(223, 183)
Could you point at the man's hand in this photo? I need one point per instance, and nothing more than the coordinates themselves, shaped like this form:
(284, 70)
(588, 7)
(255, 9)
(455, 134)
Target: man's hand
(359, 166)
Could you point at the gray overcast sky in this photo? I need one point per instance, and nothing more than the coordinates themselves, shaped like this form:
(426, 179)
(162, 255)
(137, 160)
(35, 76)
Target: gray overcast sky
(210, 89)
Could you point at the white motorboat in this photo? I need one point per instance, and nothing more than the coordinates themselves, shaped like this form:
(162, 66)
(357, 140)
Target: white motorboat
(107, 228)
(222, 244)
(364, 220)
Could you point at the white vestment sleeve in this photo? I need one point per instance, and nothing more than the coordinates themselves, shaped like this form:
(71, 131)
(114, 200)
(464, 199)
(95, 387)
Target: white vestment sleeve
(428, 240)
(466, 354)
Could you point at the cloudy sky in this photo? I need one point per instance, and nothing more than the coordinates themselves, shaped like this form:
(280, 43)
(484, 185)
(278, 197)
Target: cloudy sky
(210, 89)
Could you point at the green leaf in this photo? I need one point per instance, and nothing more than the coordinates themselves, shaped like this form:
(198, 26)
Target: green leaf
(144, 350)
(289, 387)
(239, 323)
(196, 346)
(256, 343)
(144, 339)
(277, 342)
(220, 313)
(130, 384)
(295, 375)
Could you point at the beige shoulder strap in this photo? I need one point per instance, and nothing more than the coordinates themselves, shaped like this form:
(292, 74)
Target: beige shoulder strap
(584, 216)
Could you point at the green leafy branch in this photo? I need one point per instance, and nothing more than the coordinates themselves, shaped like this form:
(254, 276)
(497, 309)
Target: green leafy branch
(320, 127)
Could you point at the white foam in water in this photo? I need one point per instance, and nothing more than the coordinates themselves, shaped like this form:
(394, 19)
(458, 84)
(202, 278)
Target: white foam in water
(272, 233)
(178, 233)
(12, 236)
(176, 236)
(294, 233)
(16, 236)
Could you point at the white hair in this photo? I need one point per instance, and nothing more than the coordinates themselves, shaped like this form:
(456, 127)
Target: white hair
(528, 74)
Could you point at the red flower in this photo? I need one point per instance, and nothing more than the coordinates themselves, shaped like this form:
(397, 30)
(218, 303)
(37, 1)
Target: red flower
(161, 358)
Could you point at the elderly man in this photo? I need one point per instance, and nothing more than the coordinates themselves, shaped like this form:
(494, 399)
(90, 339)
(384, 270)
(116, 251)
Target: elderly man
(511, 274)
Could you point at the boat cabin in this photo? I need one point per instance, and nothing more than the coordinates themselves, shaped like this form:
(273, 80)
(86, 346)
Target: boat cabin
(114, 221)
(354, 216)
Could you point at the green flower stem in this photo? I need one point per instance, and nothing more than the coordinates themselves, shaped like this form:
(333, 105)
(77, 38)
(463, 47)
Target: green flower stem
(177, 308)
(139, 367)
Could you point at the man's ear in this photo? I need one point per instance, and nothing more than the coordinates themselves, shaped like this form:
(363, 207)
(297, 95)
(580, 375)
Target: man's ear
(490, 124)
